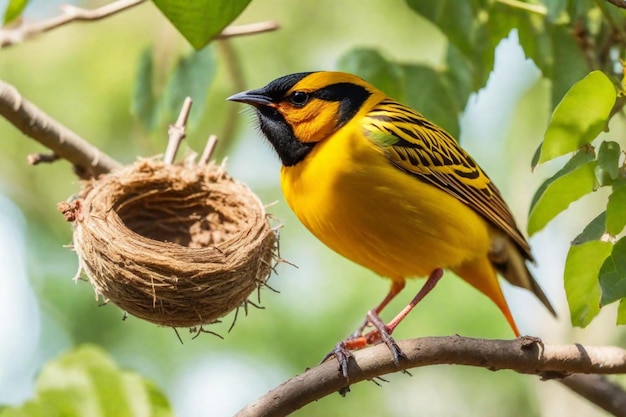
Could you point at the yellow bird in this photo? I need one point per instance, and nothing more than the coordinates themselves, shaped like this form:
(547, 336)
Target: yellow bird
(384, 187)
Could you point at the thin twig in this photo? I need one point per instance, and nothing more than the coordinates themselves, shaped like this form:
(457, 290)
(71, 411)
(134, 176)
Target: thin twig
(249, 29)
(176, 132)
(25, 31)
(70, 14)
(208, 150)
(42, 158)
(524, 355)
(36, 124)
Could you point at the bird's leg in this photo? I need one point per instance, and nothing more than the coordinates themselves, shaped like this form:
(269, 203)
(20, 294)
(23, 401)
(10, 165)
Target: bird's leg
(382, 332)
(396, 287)
(377, 335)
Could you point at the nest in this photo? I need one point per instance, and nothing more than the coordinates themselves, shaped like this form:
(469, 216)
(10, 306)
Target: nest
(176, 245)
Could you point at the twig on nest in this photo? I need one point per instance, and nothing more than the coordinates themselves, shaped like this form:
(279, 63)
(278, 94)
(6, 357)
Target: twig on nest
(208, 150)
(522, 355)
(176, 132)
(63, 142)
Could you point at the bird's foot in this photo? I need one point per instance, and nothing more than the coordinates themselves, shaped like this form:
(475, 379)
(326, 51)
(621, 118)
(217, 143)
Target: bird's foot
(358, 340)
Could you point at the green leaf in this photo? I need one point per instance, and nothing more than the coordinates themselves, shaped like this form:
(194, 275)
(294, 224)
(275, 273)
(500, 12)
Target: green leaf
(580, 116)
(428, 93)
(568, 64)
(456, 19)
(535, 159)
(621, 312)
(593, 231)
(581, 280)
(458, 75)
(14, 10)
(201, 20)
(372, 66)
(86, 382)
(191, 77)
(560, 193)
(466, 25)
(580, 158)
(616, 211)
(144, 103)
(556, 8)
(613, 274)
(608, 162)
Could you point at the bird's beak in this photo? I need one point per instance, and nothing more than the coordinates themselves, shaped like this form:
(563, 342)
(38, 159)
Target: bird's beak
(252, 97)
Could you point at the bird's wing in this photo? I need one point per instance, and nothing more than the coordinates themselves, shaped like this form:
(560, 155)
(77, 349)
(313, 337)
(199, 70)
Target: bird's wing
(417, 146)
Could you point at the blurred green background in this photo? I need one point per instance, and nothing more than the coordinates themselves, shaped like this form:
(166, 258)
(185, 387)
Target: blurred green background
(85, 75)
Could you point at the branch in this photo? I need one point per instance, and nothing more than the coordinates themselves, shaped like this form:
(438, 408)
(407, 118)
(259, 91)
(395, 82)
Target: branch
(524, 355)
(249, 29)
(70, 14)
(64, 143)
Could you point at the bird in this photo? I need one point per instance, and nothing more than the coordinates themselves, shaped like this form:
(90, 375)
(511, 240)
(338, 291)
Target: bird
(386, 188)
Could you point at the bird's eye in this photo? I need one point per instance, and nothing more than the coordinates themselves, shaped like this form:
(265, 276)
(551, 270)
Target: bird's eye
(298, 98)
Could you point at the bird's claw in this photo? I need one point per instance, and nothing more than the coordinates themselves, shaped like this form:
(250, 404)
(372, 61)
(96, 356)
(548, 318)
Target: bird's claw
(342, 353)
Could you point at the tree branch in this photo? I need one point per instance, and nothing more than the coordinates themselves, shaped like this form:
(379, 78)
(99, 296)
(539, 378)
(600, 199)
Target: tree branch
(64, 143)
(524, 355)
(70, 14)
(23, 32)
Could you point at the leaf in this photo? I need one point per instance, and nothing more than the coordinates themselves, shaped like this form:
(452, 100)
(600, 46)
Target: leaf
(593, 231)
(621, 312)
(86, 382)
(191, 77)
(580, 158)
(616, 211)
(535, 159)
(144, 103)
(568, 64)
(613, 274)
(458, 75)
(14, 10)
(199, 21)
(556, 8)
(581, 280)
(608, 162)
(456, 19)
(466, 28)
(372, 66)
(559, 194)
(579, 117)
(428, 93)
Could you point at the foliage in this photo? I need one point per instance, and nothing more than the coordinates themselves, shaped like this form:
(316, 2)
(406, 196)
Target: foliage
(86, 382)
(14, 10)
(201, 20)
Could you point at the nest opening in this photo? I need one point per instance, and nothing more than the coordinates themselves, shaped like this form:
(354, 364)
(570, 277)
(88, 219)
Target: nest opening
(177, 245)
(193, 219)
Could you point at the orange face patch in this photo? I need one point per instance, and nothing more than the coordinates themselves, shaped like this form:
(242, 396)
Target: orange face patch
(313, 122)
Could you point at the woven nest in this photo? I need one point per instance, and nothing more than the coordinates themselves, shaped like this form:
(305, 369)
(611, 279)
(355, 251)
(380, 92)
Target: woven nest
(176, 245)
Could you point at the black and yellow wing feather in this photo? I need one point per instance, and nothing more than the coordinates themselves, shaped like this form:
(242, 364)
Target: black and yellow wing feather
(421, 148)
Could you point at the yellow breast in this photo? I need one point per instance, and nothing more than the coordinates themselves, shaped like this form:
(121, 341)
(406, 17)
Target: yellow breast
(352, 199)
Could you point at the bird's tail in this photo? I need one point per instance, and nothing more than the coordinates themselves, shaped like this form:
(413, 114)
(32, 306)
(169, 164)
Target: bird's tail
(481, 274)
(508, 260)
(511, 264)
